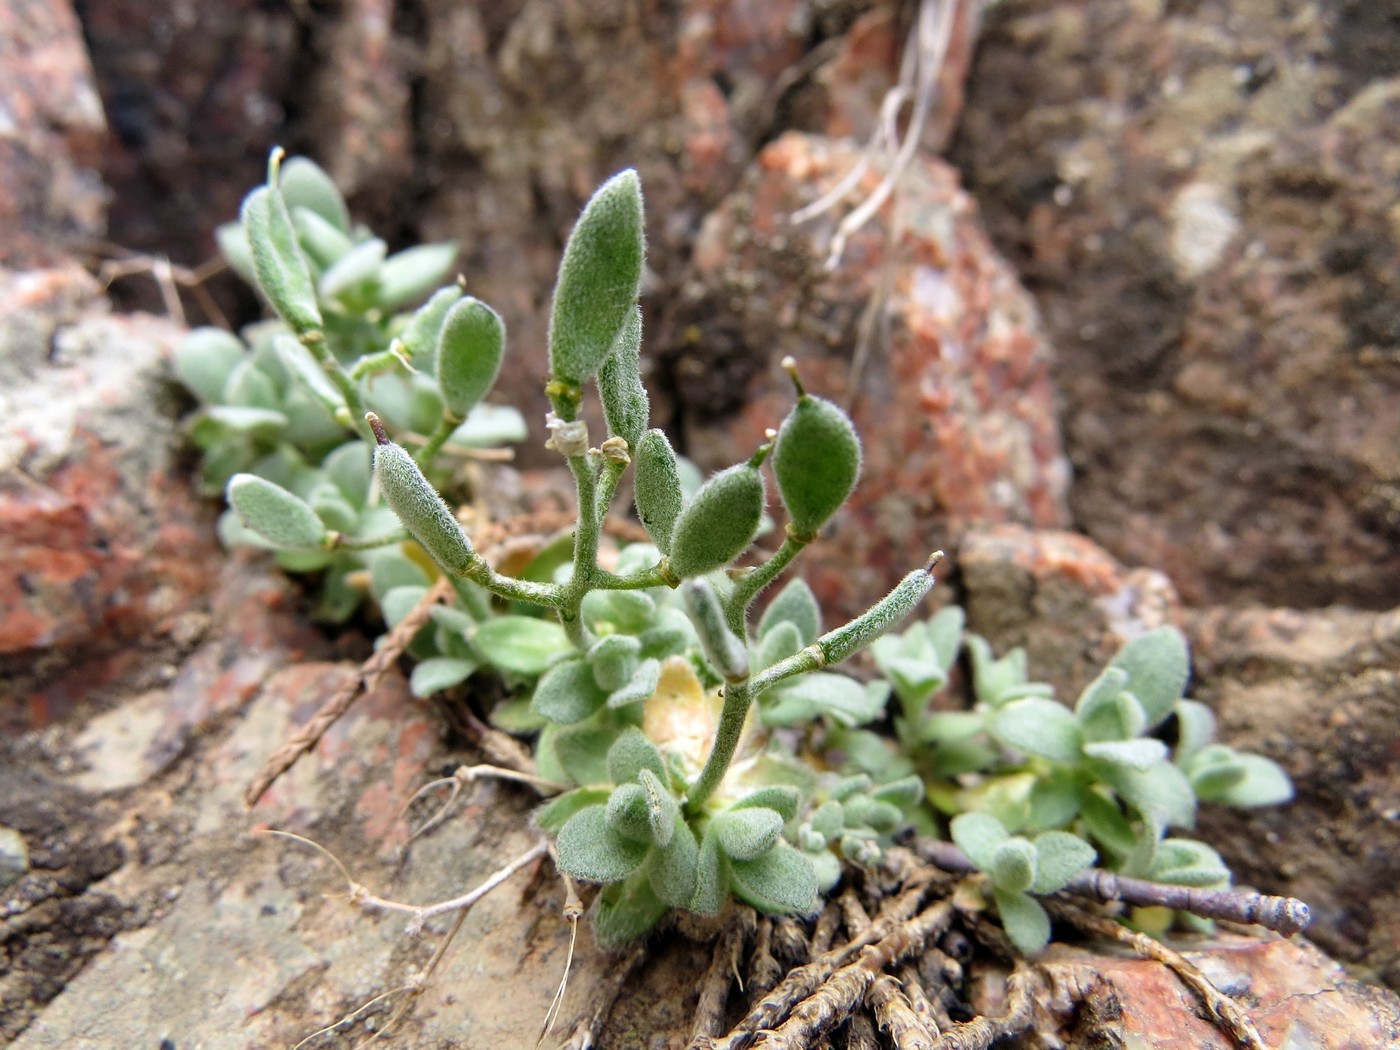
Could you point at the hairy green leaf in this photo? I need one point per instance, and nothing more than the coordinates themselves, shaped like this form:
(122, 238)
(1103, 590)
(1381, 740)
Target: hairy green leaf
(521, 644)
(1024, 920)
(1158, 666)
(794, 604)
(781, 798)
(627, 813)
(745, 834)
(1043, 728)
(204, 359)
(590, 849)
(631, 753)
(625, 911)
(440, 672)
(305, 184)
(780, 882)
(409, 275)
(673, 871)
(567, 693)
(1013, 865)
(554, 815)
(614, 660)
(275, 514)
(281, 269)
(978, 835)
(1059, 857)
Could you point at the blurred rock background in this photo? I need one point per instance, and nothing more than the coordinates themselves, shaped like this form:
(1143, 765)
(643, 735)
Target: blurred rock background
(1125, 340)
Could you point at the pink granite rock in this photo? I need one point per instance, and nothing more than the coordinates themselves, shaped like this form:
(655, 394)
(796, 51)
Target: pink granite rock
(51, 193)
(952, 396)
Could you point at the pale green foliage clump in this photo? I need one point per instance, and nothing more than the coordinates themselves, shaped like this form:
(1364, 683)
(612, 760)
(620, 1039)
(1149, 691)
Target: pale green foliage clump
(652, 698)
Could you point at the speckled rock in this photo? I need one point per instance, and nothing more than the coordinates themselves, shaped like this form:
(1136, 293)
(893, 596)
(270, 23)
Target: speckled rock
(1296, 997)
(102, 544)
(1064, 598)
(1203, 198)
(952, 396)
(1319, 692)
(51, 135)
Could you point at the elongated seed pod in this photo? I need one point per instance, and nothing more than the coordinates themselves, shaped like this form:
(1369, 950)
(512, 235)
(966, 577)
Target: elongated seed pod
(657, 487)
(470, 347)
(417, 504)
(626, 406)
(816, 461)
(726, 653)
(851, 638)
(598, 280)
(719, 522)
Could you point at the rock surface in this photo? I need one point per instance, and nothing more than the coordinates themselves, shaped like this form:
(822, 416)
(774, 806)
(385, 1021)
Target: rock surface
(51, 136)
(1317, 691)
(1202, 198)
(953, 399)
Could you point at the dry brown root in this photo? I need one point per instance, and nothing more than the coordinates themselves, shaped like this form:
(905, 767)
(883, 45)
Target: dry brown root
(982, 1032)
(838, 995)
(1226, 1013)
(828, 923)
(860, 1034)
(930, 1012)
(764, 970)
(896, 1016)
(590, 1025)
(804, 980)
(724, 969)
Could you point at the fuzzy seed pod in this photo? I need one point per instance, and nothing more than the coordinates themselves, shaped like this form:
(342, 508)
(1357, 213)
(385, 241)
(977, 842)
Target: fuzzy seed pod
(470, 346)
(598, 280)
(278, 516)
(417, 504)
(625, 403)
(816, 459)
(421, 335)
(719, 522)
(657, 487)
(281, 269)
(726, 653)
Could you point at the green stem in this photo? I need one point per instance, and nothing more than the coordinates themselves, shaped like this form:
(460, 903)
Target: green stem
(365, 543)
(430, 448)
(607, 486)
(373, 364)
(546, 594)
(748, 586)
(737, 696)
(316, 343)
(633, 581)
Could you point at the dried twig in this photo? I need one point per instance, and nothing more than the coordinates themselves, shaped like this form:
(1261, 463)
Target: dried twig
(590, 1026)
(1226, 1013)
(724, 968)
(764, 970)
(572, 912)
(931, 1012)
(828, 922)
(1285, 915)
(982, 1032)
(366, 680)
(897, 1017)
(846, 989)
